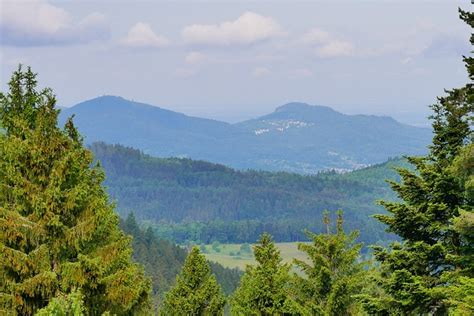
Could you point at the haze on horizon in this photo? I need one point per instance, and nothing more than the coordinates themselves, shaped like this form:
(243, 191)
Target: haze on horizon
(232, 60)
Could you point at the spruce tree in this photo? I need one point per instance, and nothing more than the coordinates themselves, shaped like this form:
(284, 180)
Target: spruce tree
(460, 291)
(196, 291)
(432, 197)
(58, 231)
(335, 273)
(72, 304)
(264, 289)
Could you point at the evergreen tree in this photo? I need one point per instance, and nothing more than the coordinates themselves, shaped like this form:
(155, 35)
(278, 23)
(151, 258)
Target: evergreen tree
(432, 198)
(196, 291)
(335, 274)
(460, 292)
(58, 232)
(63, 305)
(264, 288)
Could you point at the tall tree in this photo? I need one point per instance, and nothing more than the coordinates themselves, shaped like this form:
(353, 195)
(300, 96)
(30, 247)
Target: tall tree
(335, 273)
(460, 292)
(196, 291)
(431, 199)
(58, 232)
(264, 288)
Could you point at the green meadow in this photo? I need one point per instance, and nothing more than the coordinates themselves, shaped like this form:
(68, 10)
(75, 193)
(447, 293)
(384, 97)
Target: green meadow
(234, 256)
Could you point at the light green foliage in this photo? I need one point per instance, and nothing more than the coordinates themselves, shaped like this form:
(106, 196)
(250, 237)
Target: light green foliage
(436, 205)
(264, 288)
(58, 231)
(461, 297)
(335, 273)
(196, 291)
(64, 305)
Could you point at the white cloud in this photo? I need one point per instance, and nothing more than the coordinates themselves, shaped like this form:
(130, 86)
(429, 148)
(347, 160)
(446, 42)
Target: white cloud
(249, 28)
(335, 49)
(260, 72)
(37, 22)
(141, 35)
(194, 58)
(327, 46)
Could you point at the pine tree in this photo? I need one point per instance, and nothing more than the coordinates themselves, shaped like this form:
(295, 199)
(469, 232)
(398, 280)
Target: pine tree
(196, 291)
(58, 232)
(335, 274)
(264, 288)
(432, 198)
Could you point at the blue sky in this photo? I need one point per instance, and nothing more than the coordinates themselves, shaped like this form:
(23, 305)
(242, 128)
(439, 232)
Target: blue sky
(233, 60)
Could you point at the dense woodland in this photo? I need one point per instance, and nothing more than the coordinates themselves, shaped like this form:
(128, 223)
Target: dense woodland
(62, 251)
(186, 200)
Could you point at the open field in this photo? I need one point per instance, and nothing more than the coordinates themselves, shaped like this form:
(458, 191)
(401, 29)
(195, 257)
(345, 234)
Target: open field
(232, 256)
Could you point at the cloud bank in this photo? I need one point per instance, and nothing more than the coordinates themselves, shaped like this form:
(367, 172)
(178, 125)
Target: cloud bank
(39, 23)
(249, 28)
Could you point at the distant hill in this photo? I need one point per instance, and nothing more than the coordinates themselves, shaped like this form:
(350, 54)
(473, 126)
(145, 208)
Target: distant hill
(188, 200)
(296, 137)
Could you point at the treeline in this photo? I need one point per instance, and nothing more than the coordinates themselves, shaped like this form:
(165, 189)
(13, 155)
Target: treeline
(186, 200)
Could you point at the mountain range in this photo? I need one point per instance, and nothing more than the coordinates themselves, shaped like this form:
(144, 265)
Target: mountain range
(296, 137)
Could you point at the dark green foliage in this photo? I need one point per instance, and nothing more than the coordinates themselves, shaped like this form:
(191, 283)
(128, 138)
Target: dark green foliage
(434, 201)
(196, 291)
(228, 279)
(161, 259)
(264, 288)
(164, 260)
(335, 274)
(186, 200)
(58, 232)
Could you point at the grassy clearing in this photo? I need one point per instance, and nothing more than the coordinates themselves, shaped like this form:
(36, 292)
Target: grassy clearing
(232, 256)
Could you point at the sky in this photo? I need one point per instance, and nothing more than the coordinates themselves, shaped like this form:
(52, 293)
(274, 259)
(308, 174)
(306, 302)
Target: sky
(234, 60)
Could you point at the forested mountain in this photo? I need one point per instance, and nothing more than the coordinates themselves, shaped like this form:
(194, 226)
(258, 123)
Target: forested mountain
(303, 138)
(297, 137)
(200, 201)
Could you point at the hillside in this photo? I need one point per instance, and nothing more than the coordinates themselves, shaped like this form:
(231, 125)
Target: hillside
(296, 137)
(163, 260)
(200, 201)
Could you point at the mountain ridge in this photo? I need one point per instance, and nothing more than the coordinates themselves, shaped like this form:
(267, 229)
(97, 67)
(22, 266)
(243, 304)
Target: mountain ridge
(296, 137)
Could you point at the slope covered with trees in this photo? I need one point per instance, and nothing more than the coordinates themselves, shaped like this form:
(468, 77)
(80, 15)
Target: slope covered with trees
(185, 199)
(163, 260)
